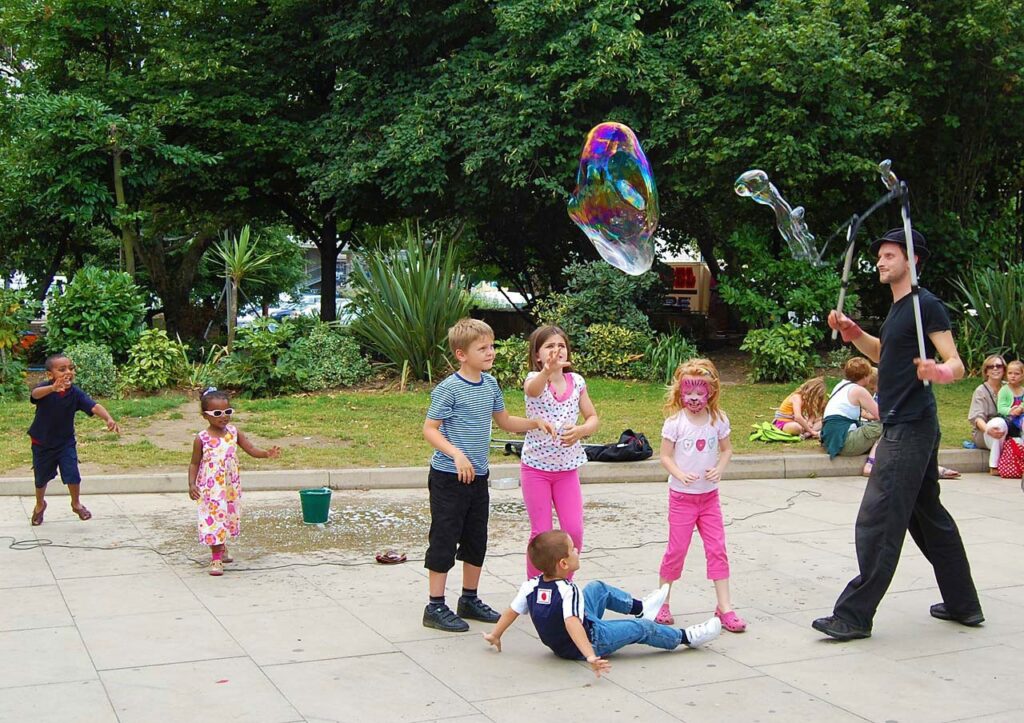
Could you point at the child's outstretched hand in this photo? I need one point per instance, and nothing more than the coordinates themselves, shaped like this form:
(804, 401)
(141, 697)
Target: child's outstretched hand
(274, 452)
(599, 665)
(552, 364)
(493, 639)
(113, 426)
(193, 491)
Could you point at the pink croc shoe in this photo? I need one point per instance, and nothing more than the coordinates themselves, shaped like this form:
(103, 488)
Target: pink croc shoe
(731, 621)
(664, 616)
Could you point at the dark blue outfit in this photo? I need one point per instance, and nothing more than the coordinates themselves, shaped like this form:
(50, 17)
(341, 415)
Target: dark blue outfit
(903, 491)
(53, 435)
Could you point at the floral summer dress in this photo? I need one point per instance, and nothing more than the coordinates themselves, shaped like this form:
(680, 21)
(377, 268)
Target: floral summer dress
(220, 489)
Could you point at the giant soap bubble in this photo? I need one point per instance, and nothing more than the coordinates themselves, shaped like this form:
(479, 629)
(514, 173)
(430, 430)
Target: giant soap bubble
(616, 201)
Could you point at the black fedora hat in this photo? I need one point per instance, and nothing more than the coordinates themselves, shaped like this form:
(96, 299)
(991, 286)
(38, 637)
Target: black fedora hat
(896, 236)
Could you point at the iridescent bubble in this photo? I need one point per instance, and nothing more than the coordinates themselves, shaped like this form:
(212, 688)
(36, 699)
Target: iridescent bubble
(790, 221)
(616, 201)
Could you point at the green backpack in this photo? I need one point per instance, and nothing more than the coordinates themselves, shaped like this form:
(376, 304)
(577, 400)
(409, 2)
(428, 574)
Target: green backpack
(768, 432)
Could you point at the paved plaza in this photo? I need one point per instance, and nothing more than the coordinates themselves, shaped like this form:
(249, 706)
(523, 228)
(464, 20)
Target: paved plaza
(306, 627)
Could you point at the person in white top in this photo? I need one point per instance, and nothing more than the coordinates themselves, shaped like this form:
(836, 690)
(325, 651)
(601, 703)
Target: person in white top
(695, 449)
(549, 472)
(842, 432)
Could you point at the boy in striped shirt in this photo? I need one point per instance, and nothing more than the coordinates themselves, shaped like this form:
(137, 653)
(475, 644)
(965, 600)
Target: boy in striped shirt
(572, 624)
(458, 426)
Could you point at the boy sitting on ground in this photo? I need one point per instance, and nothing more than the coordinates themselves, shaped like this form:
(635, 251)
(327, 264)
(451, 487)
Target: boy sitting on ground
(572, 624)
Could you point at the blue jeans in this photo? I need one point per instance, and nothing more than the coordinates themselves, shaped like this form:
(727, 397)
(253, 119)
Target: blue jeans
(903, 494)
(607, 636)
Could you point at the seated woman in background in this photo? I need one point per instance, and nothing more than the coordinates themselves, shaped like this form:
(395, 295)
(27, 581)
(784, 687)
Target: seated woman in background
(800, 412)
(988, 426)
(842, 431)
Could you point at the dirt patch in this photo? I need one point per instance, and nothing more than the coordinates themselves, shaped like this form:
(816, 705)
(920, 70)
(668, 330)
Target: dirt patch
(733, 365)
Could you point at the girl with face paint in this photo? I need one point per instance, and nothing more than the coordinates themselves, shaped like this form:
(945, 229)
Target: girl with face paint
(695, 450)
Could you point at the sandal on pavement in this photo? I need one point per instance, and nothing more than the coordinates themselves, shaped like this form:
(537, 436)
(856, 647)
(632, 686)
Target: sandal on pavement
(664, 616)
(37, 517)
(868, 466)
(226, 556)
(83, 512)
(731, 621)
(216, 568)
(391, 557)
(947, 473)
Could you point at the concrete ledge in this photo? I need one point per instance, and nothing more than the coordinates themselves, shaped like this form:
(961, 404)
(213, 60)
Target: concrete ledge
(748, 466)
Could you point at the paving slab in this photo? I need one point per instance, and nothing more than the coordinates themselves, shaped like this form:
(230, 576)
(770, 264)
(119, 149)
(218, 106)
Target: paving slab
(305, 626)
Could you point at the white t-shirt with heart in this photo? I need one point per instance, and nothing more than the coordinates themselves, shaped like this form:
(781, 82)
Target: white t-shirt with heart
(696, 449)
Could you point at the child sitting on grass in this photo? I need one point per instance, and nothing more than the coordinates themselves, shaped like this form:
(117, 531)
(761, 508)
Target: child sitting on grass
(800, 413)
(573, 625)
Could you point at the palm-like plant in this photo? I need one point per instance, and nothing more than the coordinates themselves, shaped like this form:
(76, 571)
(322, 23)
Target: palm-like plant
(406, 299)
(992, 320)
(242, 260)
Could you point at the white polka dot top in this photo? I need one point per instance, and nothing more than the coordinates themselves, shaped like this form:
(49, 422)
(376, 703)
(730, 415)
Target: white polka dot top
(540, 451)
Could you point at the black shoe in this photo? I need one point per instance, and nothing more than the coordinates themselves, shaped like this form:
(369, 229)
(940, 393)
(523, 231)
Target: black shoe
(971, 620)
(477, 609)
(839, 629)
(441, 617)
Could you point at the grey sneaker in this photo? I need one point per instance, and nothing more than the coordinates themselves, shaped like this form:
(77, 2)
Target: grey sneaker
(441, 617)
(704, 632)
(653, 602)
(477, 609)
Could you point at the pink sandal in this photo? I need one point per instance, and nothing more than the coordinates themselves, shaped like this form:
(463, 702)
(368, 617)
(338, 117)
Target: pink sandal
(731, 621)
(664, 616)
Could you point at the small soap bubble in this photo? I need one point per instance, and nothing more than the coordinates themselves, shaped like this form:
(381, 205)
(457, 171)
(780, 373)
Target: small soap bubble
(790, 221)
(616, 202)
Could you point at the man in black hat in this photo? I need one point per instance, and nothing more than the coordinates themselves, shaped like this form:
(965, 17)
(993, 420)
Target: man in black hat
(903, 491)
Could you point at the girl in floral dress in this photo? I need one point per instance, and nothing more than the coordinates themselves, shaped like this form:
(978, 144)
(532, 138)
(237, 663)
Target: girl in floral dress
(213, 476)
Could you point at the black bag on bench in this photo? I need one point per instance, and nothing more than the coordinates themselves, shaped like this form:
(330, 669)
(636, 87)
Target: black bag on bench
(631, 447)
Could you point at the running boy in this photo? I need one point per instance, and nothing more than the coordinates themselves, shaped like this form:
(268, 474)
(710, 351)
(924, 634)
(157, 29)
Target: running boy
(53, 433)
(458, 426)
(571, 624)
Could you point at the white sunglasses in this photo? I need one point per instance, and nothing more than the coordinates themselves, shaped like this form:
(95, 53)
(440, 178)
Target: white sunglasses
(219, 412)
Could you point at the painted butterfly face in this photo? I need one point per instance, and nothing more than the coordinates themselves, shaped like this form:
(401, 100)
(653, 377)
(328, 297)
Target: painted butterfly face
(694, 393)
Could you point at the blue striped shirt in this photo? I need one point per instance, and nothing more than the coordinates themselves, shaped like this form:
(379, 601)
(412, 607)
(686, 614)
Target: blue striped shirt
(464, 409)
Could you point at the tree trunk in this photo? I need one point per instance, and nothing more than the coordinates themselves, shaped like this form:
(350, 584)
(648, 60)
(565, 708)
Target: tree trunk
(127, 234)
(232, 311)
(329, 249)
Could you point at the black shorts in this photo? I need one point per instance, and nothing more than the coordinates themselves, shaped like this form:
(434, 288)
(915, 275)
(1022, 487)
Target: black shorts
(458, 521)
(47, 460)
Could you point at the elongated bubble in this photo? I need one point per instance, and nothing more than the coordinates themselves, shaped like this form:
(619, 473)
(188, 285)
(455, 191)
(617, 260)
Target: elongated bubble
(616, 201)
(790, 221)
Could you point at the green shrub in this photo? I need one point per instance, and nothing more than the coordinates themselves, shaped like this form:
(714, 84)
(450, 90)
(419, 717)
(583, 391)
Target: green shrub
(782, 353)
(510, 362)
(597, 293)
(767, 290)
(613, 351)
(13, 386)
(990, 315)
(326, 358)
(95, 373)
(405, 301)
(258, 364)
(103, 307)
(667, 353)
(154, 362)
(838, 357)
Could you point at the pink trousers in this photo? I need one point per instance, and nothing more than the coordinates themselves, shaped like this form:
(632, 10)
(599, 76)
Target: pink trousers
(541, 490)
(704, 512)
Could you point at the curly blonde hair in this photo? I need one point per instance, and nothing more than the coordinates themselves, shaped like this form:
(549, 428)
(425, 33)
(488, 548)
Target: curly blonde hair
(812, 397)
(701, 369)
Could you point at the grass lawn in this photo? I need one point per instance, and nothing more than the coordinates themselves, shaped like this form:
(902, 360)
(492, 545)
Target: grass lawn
(376, 428)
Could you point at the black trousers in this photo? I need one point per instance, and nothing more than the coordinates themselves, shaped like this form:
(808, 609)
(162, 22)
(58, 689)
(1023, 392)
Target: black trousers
(903, 494)
(458, 520)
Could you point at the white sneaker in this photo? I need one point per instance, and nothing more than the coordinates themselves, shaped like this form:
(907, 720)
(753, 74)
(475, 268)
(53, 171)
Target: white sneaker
(653, 602)
(703, 632)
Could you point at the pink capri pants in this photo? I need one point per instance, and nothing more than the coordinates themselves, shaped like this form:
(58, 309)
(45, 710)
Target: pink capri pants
(684, 513)
(541, 490)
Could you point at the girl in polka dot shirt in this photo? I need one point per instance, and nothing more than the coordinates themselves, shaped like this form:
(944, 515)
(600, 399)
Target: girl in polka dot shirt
(550, 467)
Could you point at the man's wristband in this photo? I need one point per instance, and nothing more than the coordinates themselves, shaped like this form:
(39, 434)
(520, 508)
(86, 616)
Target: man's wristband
(851, 333)
(943, 374)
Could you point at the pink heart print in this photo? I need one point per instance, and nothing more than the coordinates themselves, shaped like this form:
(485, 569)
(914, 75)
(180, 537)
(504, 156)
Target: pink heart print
(701, 443)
